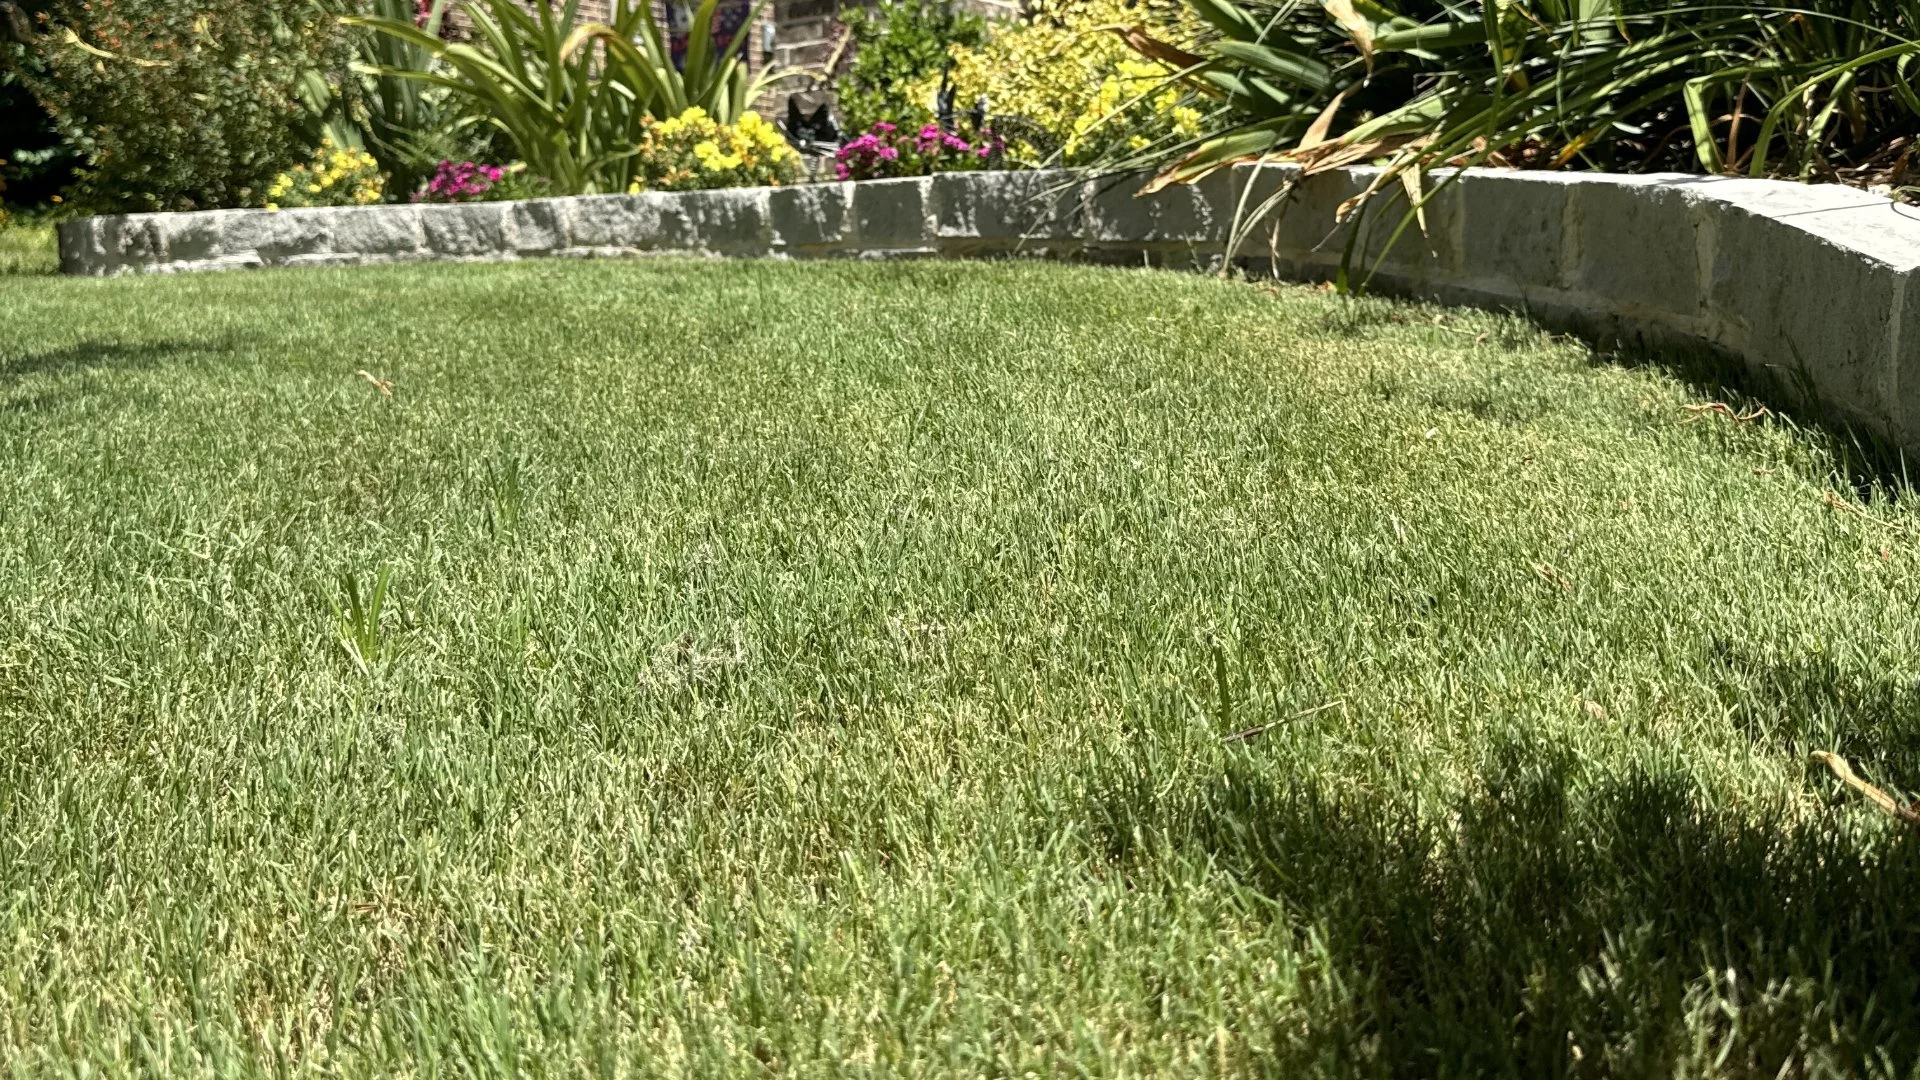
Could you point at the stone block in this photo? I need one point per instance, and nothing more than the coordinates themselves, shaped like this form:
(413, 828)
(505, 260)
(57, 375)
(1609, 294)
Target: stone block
(1812, 290)
(614, 222)
(538, 226)
(1007, 212)
(810, 217)
(465, 230)
(1193, 214)
(379, 232)
(1634, 240)
(734, 221)
(1305, 227)
(195, 238)
(81, 250)
(891, 215)
(132, 241)
(1514, 223)
(271, 237)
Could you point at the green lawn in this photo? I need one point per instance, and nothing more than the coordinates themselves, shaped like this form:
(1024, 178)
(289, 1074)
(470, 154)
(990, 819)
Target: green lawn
(822, 669)
(28, 249)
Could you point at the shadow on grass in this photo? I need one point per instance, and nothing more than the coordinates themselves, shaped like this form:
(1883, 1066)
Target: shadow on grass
(1810, 702)
(1555, 921)
(1869, 462)
(86, 357)
(89, 355)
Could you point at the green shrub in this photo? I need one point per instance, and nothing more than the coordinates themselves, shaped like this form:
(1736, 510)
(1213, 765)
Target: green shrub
(177, 106)
(38, 163)
(898, 46)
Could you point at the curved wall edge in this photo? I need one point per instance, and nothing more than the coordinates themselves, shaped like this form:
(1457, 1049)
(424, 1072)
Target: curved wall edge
(1815, 288)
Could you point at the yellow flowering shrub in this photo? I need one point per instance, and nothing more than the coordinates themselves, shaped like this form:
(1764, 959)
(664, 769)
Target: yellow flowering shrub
(1052, 79)
(693, 151)
(335, 177)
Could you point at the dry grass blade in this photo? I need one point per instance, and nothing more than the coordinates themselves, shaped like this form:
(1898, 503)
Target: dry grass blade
(1878, 797)
(1553, 577)
(1261, 729)
(1719, 408)
(1835, 502)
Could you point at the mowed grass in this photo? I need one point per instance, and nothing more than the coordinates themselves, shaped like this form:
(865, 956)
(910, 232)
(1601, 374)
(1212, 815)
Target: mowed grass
(28, 249)
(823, 670)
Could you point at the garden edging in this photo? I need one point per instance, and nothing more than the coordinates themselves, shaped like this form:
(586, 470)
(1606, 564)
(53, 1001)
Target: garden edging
(1813, 287)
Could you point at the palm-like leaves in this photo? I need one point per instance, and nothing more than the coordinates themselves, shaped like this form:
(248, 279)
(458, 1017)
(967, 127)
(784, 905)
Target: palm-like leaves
(1556, 82)
(573, 95)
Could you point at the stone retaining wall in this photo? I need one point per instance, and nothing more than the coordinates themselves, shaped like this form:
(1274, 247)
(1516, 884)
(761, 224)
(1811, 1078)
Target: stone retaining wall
(1815, 288)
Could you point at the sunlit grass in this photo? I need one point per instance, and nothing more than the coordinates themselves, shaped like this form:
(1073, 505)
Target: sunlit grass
(28, 249)
(706, 669)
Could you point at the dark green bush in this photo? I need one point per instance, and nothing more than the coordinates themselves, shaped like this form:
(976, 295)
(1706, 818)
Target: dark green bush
(176, 105)
(896, 45)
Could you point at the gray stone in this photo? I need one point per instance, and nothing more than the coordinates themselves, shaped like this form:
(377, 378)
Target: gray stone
(465, 230)
(538, 226)
(196, 238)
(613, 222)
(1811, 290)
(1004, 212)
(1905, 407)
(1513, 228)
(81, 249)
(271, 237)
(1634, 240)
(733, 221)
(380, 232)
(1189, 214)
(131, 241)
(810, 216)
(1299, 218)
(891, 215)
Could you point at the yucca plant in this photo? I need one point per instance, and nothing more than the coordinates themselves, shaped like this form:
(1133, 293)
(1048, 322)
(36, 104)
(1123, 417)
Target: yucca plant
(409, 124)
(1552, 83)
(572, 94)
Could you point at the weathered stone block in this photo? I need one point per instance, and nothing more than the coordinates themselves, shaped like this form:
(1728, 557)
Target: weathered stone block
(1634, 240)
(1812, 290)
(81, 248)
(734, 221)
(134, 240)
(811, 216)
(273, 236)
(1382, 234)
(538, 226)
(1198, 214)
(381, 232)
(198, 237)
(613, 222)
(1513, 228)
(891, 215)
(1007, 211)
(1905, 407)
(465, 230)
